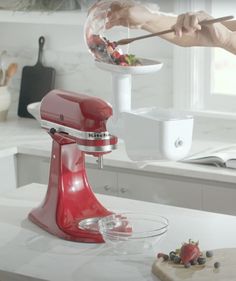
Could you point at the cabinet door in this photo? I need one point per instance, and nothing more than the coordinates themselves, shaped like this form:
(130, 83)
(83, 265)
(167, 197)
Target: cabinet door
(220, 199)
(8, 173)
(36, 169)
(160, 190)
(32, 168)
(101, 181)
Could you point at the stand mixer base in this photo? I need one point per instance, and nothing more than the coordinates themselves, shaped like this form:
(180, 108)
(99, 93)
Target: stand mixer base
(69, 199)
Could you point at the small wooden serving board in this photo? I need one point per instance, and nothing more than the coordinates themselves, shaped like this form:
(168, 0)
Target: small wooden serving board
(167, 271)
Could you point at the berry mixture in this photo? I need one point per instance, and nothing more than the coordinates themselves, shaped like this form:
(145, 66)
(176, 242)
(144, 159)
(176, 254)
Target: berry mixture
(105, 50)
(188, 255)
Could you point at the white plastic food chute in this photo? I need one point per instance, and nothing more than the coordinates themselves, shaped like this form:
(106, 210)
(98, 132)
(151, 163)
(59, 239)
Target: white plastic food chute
(148, 133)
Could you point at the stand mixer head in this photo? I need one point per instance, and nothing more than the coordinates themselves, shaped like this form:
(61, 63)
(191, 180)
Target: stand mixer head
(77, 125)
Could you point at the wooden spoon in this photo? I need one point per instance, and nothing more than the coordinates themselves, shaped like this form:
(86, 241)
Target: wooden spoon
(10, 72)
(204, 22)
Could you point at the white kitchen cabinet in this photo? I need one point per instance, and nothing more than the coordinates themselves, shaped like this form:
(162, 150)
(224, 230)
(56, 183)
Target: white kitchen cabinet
(102, 181)
(220, 199)
(8, 173)
(153, 187)
(179, 191)
(31, 169)
(160, 189)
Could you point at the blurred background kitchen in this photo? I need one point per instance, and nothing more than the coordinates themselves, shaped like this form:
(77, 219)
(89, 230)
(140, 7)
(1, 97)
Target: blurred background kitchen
(199, 80)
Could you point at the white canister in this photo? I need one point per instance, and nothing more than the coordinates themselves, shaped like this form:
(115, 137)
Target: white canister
(5, 101)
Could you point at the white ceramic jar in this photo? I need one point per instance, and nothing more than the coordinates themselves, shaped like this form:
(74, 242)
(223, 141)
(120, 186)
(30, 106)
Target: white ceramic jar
(5, 101)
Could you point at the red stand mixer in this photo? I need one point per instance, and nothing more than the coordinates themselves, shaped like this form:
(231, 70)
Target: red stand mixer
(77, 125)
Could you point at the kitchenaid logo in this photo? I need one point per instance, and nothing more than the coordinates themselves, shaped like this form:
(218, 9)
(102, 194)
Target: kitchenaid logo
(98, 135)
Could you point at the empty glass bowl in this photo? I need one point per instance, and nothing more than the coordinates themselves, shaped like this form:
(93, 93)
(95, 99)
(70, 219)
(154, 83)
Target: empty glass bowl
(133, 233)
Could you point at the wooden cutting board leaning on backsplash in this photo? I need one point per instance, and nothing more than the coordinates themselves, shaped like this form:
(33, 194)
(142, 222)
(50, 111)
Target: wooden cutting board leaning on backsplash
(167, 271)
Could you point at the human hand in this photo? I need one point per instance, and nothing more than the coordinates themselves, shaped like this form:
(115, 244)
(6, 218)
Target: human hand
(190, 32)
(128, 14)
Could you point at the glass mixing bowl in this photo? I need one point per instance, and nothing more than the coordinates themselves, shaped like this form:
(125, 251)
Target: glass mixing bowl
(99, 40)
(133, 233)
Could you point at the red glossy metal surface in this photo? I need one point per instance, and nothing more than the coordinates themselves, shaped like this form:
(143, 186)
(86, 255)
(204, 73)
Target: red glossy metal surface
(76, 111)
(69, 198)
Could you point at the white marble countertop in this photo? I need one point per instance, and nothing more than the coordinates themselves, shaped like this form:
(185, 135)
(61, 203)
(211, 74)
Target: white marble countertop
(23, 135)
(27, 250)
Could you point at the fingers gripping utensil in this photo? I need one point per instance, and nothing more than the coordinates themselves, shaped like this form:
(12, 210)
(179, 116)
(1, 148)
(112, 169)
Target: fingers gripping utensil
(36, 82)
(204, 22)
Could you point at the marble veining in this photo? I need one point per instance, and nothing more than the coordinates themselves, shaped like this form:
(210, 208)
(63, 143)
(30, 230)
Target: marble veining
(27, 250)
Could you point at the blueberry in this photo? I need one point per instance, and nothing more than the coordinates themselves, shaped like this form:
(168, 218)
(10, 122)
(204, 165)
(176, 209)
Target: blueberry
(172, 255)
(217, 264)
(201, 260)
(177, 259)
(209, 254)
(166, 257)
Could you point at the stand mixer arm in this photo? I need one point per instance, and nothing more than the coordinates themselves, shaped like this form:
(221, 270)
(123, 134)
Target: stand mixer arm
(82, 118)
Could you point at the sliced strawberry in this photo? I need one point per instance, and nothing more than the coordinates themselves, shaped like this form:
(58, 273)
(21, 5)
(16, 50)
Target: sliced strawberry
(116, 55)
(123, 63)
(122, 58)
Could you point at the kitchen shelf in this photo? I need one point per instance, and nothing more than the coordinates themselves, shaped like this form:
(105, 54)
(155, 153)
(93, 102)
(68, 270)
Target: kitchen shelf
(60, 18)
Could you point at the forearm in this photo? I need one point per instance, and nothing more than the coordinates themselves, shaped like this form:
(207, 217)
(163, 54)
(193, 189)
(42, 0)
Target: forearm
(230, 25)
(217, 35)
(161, 22)
(231, 44)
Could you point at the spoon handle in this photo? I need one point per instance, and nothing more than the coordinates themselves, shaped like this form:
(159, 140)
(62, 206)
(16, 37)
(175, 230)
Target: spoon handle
(204, 22)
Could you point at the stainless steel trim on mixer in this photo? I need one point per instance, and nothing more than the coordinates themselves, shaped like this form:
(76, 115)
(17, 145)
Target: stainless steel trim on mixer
(105, 148)
(76, 133)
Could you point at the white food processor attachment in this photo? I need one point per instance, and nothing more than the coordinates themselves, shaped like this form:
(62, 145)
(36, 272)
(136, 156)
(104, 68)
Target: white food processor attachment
(149, 133)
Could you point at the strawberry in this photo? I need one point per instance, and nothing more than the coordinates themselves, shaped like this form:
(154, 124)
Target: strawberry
(189, 252)
(116, 55)
(123, 225)
(122, 58)
(123, 63)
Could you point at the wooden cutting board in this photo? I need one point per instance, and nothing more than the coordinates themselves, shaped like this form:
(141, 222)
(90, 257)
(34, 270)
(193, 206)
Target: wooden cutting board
(36, 82)
(167, 271)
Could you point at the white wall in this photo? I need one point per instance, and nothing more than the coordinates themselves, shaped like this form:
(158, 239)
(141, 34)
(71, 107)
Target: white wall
(66, 51)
